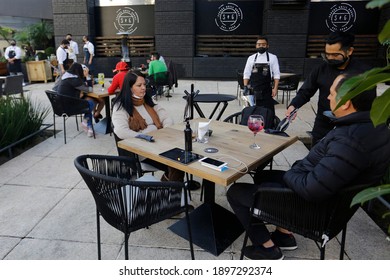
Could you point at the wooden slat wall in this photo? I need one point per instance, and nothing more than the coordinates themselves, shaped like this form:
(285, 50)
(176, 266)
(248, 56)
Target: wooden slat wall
(364, 46)
(221, 45)
(139, 46)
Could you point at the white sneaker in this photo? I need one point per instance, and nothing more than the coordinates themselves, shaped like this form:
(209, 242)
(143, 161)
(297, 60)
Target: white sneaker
(90, 132)
(84, 125)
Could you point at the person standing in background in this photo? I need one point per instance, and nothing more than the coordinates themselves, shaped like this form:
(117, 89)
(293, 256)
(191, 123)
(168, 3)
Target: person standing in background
(73, 49)
(13, 54)
(262, 74)
(89, 53)
(63, 57)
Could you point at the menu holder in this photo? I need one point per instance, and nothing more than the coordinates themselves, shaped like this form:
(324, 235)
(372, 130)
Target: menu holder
(181, 155)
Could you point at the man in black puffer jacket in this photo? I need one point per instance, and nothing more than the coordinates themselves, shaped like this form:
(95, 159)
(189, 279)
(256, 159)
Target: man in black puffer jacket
(353, 153)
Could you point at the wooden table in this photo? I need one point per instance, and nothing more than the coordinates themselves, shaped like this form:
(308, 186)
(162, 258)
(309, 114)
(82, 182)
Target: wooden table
(214, 227)
(104, 125)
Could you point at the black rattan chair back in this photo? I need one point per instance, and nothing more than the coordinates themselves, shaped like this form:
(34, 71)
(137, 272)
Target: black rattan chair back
(126, 204)
(67, 106)
(13, 85)
(319, 221)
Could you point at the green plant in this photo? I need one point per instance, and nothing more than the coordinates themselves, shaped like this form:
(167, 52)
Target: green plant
(380, 112)
(6, 33)
(40, 35)
(49, 51)
(19, 118)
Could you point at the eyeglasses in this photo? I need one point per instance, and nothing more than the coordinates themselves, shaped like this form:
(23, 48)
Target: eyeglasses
(338, 56)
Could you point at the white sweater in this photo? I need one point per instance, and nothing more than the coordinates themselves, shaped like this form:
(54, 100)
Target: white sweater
(120, 121)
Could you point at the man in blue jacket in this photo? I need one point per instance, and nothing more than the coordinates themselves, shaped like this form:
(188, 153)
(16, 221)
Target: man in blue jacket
(354, 152)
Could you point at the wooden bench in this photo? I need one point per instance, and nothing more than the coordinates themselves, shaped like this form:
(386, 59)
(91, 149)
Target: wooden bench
(139, 46)
(225, 45)
(365, 46)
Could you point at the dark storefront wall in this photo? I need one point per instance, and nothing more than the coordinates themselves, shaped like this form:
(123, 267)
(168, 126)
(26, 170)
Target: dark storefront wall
(133, 17)
(224, 18)
(137, 20)
(228, 17)
(221, 18)
(350, 16)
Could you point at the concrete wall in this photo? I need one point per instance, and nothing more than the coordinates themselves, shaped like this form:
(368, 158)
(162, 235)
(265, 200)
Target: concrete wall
(75, 17)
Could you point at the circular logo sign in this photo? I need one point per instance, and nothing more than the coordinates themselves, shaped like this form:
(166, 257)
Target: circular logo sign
(126, 20)
(229, 17)
(341, 17)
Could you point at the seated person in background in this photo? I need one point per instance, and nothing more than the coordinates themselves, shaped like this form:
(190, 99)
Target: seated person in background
(156, 54)
(353, 153)
(156, 72)
(72, 84)
(100, 102)
(156, 66)
(135, 113)
(121, 70)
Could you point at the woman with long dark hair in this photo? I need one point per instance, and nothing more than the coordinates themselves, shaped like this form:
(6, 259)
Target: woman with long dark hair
(134, 112)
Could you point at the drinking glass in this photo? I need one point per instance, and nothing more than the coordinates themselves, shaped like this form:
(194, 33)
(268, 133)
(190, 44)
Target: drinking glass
(101, 80)
(255, 124)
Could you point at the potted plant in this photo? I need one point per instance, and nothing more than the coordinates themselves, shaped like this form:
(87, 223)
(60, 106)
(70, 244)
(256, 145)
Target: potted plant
(5, 34)
(3, 66)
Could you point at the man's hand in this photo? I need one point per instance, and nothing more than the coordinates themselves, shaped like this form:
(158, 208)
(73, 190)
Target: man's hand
(247, 91)
(288, 112)
(274, 92)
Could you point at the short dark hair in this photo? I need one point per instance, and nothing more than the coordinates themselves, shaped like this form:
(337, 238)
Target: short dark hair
(262, 37)
(68, 35)
(156, 54)
(346, 39)
(65, 42)
(363, 101)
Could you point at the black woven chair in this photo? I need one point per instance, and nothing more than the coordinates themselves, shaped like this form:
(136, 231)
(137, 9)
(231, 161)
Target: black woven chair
(288, 85)
(158, 82)
(319, 221)
(240, 85)
(126, 204)
(13, 85)
(144, 167)
(66, 106)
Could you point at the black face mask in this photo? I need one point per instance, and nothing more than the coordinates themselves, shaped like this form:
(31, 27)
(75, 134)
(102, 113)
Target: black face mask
(335, 62)
(13, 44)
(261, 50)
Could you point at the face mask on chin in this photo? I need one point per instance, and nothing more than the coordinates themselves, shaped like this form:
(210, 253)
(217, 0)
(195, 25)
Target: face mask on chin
(138, 97)
(261, 50)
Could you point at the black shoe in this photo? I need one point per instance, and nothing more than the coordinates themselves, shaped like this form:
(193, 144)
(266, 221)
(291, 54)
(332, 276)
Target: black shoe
(97, 119)
(262, 253)
(285, 241)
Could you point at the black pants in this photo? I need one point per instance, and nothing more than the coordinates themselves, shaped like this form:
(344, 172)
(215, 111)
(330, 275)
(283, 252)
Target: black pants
(241, 195)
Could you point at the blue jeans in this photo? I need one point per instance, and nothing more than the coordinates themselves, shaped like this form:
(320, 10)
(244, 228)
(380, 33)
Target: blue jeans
(88, 116)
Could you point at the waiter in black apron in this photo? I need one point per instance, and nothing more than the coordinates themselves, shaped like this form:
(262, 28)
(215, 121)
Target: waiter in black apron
(262, 75)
